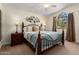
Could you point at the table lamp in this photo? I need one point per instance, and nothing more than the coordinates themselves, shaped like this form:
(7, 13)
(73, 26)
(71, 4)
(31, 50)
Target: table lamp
(16, 27)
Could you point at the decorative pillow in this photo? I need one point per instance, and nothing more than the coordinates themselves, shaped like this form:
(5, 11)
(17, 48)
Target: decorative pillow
(36, 28)
(31, 29)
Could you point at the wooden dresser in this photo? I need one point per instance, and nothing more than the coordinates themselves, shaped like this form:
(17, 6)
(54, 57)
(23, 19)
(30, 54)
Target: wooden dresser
(16, 38)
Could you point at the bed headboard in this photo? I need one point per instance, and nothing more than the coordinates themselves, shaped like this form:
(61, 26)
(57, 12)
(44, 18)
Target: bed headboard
(34, 27)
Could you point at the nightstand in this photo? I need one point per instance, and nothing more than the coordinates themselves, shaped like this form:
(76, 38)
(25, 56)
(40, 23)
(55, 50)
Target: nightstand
(16, 38)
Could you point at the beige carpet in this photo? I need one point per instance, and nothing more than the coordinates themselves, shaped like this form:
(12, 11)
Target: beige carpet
(23, 49)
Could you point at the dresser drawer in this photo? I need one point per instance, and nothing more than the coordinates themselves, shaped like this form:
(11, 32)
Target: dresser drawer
(16, 38)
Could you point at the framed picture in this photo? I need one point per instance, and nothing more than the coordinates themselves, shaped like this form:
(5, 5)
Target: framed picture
(62, 20)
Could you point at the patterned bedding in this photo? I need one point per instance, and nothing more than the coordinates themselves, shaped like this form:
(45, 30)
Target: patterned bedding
(48, 38)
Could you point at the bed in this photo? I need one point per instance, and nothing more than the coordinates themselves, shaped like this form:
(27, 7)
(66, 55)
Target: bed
(41, 41)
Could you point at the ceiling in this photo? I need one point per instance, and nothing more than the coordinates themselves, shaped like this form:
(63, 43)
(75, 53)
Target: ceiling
(39, 7)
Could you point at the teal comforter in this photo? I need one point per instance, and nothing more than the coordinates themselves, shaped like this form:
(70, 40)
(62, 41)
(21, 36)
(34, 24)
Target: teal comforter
(47, 38)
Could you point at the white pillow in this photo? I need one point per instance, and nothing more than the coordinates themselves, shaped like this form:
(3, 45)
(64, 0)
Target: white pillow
(29, 29)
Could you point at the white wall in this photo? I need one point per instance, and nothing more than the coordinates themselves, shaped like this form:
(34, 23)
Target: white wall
(72, 8)
(9, 18)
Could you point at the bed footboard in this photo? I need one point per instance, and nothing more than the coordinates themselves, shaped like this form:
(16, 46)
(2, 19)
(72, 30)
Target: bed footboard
(39, 40)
